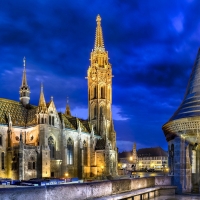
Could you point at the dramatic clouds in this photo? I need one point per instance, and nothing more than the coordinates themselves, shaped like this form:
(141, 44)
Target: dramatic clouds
(152, 47)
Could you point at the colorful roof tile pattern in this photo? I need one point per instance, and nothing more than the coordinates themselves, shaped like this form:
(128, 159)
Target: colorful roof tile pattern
(20, 115)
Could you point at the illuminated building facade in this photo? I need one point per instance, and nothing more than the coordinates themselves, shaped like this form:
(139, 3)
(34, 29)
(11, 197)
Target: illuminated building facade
(152, 158)
(182, 133)
(38, 141)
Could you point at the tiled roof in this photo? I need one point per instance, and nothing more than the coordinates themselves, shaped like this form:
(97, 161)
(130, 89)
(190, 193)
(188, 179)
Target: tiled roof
(149, 152)
(72, 123)
(20, 115)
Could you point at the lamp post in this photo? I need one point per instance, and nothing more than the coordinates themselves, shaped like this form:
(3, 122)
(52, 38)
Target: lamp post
(66, 175)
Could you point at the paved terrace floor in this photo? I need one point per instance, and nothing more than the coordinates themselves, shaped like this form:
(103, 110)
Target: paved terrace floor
(177, 197)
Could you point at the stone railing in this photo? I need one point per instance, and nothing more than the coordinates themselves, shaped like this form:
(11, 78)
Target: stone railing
(80, 191)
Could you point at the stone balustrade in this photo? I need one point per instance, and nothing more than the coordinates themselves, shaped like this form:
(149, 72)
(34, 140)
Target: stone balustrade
(90, 190)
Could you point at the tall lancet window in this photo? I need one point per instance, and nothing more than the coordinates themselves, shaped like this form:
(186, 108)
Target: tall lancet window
(95, 112)
(2, 160)
(70, 151)
(0, 140)
(95, 91)
(101, 110)
(103, 92)
(85, 154)
(51, 144)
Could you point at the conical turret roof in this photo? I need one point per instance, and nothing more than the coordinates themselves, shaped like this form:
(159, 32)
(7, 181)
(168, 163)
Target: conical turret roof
(190, 106)
(42, 102)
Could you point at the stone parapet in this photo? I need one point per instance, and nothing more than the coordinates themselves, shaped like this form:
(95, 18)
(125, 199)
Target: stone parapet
(92, 190)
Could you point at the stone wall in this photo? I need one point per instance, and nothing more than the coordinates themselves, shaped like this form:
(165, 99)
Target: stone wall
(81, 190)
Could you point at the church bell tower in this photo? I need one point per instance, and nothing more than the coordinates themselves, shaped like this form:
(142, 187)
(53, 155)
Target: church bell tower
(99, 77)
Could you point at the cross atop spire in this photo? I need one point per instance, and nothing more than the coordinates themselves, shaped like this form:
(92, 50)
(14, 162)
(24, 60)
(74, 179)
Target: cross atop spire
(99, 44)
(24, 61)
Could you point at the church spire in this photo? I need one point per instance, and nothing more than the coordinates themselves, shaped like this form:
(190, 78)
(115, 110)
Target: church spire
(42, 102)
(67, 110)
(24, 81)
(24, 89)
(99, 44)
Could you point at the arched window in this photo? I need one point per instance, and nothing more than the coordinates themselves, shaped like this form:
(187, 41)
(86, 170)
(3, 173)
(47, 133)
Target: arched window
(101, 110)
(70, 151)
(2, 160)
(49, 120)
(14, 162)
(0, 140)
(85, 154)
(53, 120)
(95, 112)
(103, 92)
(51, 144)
(33, 165)
(42, 120)
(95, 91)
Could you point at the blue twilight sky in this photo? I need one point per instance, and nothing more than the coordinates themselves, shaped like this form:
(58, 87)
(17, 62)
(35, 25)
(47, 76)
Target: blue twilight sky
(152, 46)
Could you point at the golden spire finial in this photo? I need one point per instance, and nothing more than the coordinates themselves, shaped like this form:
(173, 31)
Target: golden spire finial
(98, 19)
(99, 44)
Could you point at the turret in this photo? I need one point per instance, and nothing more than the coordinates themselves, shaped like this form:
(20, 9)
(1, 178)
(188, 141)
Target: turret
(24, 89)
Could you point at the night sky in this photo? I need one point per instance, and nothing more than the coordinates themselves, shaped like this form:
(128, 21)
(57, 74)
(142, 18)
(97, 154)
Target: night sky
(152, 46)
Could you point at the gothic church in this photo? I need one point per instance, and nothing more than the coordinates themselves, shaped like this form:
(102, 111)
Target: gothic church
(37, 141)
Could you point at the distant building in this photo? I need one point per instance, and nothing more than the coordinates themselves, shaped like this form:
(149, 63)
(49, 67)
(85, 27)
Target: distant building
(152, 158)
(127, 160)
(36, 141)
(148, 158)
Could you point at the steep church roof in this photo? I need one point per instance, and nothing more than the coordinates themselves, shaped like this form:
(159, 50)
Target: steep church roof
(190, 106)
(149, 152)
(20, 115)
(72, 123)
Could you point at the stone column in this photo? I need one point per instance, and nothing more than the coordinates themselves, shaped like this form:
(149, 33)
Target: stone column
(197, 175)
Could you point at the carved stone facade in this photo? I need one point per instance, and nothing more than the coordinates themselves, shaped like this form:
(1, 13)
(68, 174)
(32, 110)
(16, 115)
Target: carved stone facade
(182, 132)
(38, 141)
